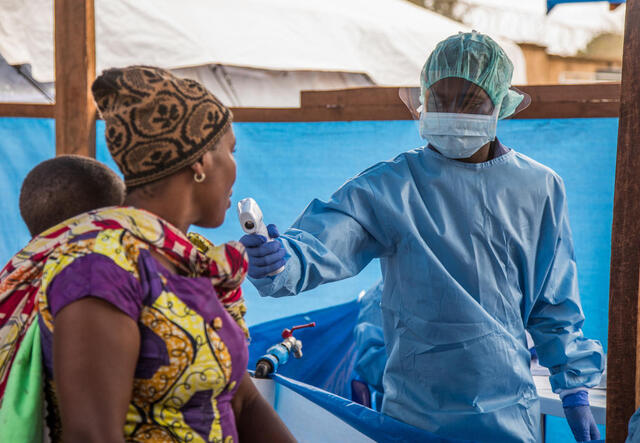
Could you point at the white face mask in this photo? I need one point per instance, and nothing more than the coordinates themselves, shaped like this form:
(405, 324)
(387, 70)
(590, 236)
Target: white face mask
(458, 135)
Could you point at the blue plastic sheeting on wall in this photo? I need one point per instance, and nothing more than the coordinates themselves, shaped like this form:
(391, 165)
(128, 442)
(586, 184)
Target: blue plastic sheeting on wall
(24, 142)
(558, 430)
(285, 165)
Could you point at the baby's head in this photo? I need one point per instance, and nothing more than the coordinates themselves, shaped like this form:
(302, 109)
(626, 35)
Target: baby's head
(64, 187)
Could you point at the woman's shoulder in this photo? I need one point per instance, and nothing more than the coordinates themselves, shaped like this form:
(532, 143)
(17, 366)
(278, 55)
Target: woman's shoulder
(102, 264)
(112, 248)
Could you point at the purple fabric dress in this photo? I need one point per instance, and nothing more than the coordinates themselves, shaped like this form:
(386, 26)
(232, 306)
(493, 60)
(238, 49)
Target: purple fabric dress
(192, 356)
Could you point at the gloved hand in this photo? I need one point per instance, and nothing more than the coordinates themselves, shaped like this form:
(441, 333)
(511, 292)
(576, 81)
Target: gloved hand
(579, 416)
(264, 257)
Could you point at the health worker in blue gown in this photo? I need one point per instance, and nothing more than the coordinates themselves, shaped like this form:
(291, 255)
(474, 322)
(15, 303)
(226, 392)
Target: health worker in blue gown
(475, 248)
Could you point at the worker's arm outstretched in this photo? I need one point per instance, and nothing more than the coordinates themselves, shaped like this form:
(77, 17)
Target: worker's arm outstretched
(555, 319)
(330, 241)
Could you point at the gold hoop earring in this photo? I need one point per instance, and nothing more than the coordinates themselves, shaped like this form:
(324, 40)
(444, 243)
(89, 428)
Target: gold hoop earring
(199, 177)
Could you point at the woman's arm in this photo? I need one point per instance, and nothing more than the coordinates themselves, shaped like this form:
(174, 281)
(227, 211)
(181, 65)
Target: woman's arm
(255, 418)
(95, 350)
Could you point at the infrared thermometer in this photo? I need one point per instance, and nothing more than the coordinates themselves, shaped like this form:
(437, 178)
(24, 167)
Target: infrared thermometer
(250, 217)
(251, 222)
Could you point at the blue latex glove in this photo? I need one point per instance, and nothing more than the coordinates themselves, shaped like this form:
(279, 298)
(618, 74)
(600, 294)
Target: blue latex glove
(265, 256)
(579, 416)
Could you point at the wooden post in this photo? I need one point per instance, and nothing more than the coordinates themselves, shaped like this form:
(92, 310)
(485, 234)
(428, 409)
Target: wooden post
(623, 379)
(75, 62)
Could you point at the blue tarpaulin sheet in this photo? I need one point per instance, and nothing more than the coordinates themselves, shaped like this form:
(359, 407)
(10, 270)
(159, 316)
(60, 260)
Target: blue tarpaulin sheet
(379, 427)
(324, 372)
(285, 165)
(552, 3)
(329, 362)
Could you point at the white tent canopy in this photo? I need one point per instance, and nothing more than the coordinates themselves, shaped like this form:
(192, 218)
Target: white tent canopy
(248, 87)
(567, 29)
(382, 42)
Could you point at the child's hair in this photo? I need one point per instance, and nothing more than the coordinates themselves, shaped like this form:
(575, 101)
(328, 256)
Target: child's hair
(66, 186)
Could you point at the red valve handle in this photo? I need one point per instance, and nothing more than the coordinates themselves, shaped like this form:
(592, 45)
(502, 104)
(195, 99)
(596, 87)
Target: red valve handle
(289, 332)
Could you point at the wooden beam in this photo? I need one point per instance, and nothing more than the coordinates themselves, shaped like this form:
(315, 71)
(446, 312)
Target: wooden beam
(36, 110)
(549, 110)
(75, 71)
(383, 103)
(328, 112)
(623, 379)
(586, 93)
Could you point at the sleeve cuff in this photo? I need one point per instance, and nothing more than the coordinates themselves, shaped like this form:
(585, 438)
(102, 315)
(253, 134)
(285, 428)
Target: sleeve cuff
(580, 398)
(269, 286)
(564, 392)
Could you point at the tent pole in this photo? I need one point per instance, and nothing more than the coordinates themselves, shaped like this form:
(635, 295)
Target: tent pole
(75, 63)
(623, 379)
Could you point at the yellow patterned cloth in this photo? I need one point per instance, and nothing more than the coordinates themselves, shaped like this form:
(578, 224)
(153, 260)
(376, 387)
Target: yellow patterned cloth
(193, 350)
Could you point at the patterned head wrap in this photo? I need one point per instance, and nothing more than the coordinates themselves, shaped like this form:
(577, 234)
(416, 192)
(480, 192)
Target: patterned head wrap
(156, 123)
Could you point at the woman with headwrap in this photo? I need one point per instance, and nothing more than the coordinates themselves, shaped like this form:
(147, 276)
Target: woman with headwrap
(141, 324)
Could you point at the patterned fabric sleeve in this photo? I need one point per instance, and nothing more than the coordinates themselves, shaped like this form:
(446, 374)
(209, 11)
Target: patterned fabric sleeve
(96, 275)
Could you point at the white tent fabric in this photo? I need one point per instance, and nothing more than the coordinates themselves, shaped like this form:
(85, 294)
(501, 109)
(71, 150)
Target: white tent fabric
(248, 87)
(567, 29)
(386, 40)
(16, 85)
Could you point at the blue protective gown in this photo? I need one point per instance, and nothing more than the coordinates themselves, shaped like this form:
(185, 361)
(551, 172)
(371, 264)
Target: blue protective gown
(471, 255)
(634, 428)
(372, 355)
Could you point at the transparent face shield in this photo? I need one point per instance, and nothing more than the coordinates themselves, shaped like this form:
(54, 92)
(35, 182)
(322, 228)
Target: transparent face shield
(455, 116)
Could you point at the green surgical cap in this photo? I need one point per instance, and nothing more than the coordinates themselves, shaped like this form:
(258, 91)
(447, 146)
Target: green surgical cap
(478, 59)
